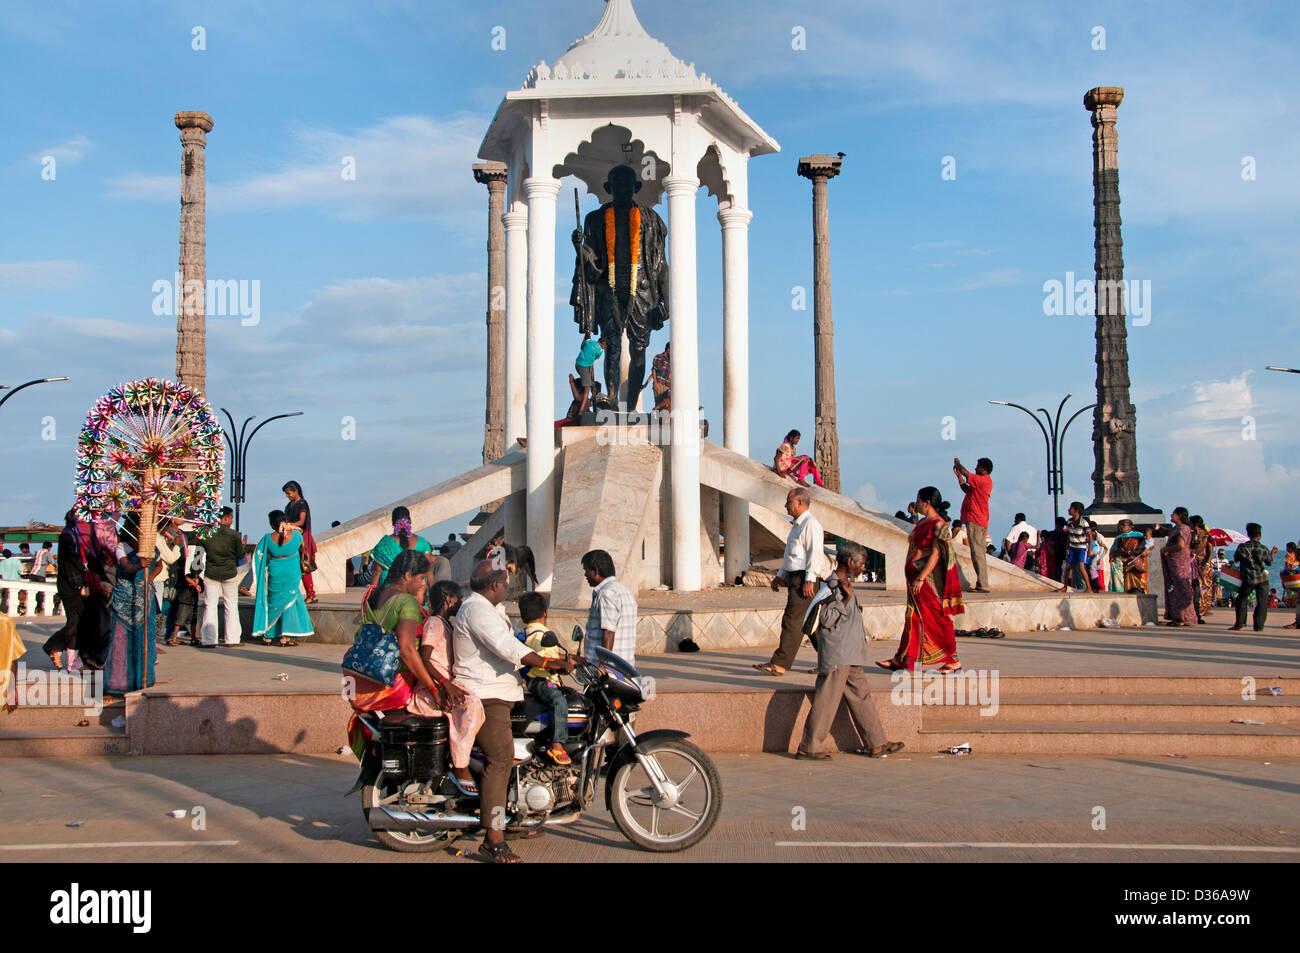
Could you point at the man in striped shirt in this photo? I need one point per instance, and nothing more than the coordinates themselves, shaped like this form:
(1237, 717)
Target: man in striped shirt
(611, 621)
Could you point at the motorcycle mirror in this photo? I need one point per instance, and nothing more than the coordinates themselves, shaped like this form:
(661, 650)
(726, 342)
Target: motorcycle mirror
(577, 633)
(550, 641)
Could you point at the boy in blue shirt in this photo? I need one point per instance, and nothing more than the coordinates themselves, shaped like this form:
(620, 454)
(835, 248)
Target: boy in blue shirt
(587, 357)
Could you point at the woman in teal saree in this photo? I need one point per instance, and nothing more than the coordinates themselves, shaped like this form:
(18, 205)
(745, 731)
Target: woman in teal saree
(280, 613)
(388, 548)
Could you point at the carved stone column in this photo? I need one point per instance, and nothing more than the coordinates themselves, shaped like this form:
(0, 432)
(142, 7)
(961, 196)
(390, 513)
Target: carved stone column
(826, 441)
(1114, 429)
(493, 175)
(191, 323)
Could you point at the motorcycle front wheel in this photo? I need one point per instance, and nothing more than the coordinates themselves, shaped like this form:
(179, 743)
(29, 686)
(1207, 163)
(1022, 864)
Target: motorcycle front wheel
(406, 842)
(652, 823)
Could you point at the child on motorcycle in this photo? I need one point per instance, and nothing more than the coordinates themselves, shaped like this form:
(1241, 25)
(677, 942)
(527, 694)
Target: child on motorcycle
(544, 685)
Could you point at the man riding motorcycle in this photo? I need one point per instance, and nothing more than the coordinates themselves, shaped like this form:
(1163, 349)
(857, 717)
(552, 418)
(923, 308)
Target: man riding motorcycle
(488, 658)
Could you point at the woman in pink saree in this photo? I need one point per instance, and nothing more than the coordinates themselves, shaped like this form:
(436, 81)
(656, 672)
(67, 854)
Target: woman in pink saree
(798, 468)
(933, 592)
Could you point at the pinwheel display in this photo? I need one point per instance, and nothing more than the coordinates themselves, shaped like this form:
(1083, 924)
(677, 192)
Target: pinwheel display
(154, 447)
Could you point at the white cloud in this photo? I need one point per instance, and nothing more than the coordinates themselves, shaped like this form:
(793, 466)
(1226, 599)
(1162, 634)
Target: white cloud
(70, 150)
(405, 166)
(42, 274)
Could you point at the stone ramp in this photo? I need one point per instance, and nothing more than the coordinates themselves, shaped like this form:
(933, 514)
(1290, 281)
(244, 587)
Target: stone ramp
(460, 494)
(608, 497)
(735, 475)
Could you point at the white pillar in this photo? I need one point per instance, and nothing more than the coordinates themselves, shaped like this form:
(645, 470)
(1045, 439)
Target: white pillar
(684, 458)
(542, 193)
(516, 223)
(735, 376)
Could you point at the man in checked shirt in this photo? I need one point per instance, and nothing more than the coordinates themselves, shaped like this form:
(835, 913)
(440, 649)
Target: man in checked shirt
(800, 568)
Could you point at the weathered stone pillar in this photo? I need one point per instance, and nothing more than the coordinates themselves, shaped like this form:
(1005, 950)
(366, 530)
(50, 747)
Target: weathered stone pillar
(542, 192)
(684, 454)
(735, 377)
(1114, 421)
(493, 175)
(191, 324)
(826, 442)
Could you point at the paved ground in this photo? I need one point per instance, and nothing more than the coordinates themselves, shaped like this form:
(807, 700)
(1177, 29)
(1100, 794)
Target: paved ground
(291, 808)
(1151, 650)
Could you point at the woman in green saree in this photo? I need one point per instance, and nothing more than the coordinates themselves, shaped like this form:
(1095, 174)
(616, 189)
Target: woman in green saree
(401, 539)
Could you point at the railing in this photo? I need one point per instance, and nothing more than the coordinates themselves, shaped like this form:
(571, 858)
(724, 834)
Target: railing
(37, 598)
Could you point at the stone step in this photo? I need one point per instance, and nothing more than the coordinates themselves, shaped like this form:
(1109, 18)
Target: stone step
(62, 743)
(1140, 739)
(61, 716)
(1118, 709)
(1061, 686)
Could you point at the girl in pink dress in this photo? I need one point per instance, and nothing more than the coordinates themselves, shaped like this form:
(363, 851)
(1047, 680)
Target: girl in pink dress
(436, 648)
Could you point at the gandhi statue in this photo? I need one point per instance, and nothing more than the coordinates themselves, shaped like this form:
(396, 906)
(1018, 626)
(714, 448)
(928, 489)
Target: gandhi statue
(620, 280)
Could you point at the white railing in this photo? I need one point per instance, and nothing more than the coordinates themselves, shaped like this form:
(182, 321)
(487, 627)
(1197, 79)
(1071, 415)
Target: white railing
(45, 590)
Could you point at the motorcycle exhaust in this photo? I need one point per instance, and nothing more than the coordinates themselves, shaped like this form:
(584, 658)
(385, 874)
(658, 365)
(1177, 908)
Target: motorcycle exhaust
(387, 819)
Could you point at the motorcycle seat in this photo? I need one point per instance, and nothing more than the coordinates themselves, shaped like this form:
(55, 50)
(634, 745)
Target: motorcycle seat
(401, 716)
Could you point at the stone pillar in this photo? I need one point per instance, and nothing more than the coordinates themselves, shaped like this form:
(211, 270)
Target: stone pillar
(542, 193)
(735, 377)
(493, 175)
(191, 324)
(516, 351)
(684, 456)
(826, 442)
(1114, 421)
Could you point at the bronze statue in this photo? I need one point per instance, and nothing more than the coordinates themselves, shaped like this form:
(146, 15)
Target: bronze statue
(633, 295)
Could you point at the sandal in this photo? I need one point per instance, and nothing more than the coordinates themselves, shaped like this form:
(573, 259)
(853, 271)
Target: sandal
(888, 748)
(891, 665)
(498, 853)
(468, 788)
(56, 659)
(767, 668)
(282, 643)
(950, 671)
(812, 756)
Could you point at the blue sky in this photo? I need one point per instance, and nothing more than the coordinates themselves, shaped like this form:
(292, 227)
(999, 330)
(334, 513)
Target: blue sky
(373, 291)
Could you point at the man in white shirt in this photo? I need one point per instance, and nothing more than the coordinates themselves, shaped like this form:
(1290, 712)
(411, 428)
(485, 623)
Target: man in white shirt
(801, 568)
(1013, 534)
(488, 658)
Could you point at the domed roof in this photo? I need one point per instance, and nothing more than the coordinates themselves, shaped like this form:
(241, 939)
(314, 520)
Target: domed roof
(618, 48)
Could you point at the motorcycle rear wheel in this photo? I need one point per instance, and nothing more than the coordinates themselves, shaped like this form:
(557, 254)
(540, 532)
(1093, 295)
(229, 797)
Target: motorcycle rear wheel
(655, 828)
(405, 842)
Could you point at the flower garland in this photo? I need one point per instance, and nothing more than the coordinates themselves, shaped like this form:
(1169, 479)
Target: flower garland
(634, 233)
(151, 441)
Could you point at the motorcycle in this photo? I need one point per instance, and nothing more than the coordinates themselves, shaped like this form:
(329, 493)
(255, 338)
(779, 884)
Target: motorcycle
(663, 792)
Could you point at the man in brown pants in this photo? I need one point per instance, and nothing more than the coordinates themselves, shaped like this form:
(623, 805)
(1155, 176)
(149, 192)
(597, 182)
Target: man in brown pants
(488, 658)
(841, 655)
(803, 556)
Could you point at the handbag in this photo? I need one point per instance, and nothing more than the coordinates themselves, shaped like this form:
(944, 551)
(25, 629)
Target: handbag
(306, 560)
(374, 654)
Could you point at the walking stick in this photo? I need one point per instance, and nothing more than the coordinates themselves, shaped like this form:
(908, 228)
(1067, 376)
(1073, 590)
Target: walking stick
(584, 318)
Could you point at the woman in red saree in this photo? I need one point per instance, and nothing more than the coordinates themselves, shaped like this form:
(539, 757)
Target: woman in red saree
(933, 591)
(798, 468)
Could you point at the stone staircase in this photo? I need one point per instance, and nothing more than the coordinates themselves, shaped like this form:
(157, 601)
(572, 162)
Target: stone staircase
(50, 731)
(1123, 716)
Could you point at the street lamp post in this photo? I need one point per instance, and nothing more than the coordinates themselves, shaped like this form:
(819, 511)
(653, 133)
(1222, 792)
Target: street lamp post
(12, 391)
(1054, 438)
(238, 446)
